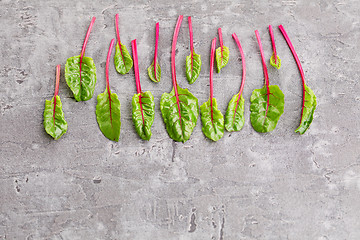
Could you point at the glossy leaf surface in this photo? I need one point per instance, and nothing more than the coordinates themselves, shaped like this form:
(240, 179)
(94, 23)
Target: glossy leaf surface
(179, 125)
(308, 110)
(151, 72)
(266, 109)
(83, 89)
(143, 114)
(222, 57)
(234, 116)
(193, 67)
(122, 59)
(212, 125)
(278, 62)
(54, 120)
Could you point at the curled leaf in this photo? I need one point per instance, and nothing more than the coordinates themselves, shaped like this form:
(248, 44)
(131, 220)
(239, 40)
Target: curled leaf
(278, 62)
(193, 67)
(234, 116)
(155, 77)
(307, 111)
(122, 59)
(222, 57)
(54, 120)
(143, 113)
(212, 120)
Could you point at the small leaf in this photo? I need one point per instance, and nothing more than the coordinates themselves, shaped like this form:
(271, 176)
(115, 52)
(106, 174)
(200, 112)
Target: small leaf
(212, 126)
(179, 128)
(122, 59)
(151, 72)
(54, 121)
(108, 115)
(264, 116)
(307, 111)
(234, 117)
(143, 114)
(278, 62)
(83, 89)
(193, 69)
(222, 58)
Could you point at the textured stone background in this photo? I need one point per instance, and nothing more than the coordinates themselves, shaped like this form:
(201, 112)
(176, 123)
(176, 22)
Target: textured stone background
(246, 186)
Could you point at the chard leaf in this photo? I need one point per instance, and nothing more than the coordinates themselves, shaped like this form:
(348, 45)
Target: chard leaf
(266, 108)
(54, 120)
(179, 117)
(278, 62)
(82, 87)
(307, 112)
(212, 120)
(222, 57)
(122, 59)
(234, 116)
(193, 67)
(154, 76)
(143, 112)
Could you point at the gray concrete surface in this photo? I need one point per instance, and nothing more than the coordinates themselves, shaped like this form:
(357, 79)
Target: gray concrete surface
(246, 186)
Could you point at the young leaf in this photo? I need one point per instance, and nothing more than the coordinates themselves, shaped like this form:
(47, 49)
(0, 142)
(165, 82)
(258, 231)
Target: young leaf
(193, 61)
(54, 121)
(143, 106)
(267, 103)
(108, 107)
(234, 117)
(179, 108)
(222, 53)
(122, 59)
(211, 117)
(154, 69)
(80, 72)
(275, 61)
(309, 98)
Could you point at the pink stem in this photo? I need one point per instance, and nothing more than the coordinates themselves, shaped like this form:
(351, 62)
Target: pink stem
(84, 45)
(107, 64)
(262, 58)
(156, 48)
(221, 43)
(57, 80)
(136, 66)
(273, 42)
(213, 45)
(118, 35)
(243, 63)
(191, 36)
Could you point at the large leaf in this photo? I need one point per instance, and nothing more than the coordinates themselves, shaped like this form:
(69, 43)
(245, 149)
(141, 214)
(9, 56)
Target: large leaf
(122, 59)
(193, 67)
(266, 109)
(143, 113)
(54, 120)
(151, 72)
(179, 128)
(83, 89)
(222, 58)
(234, 116)
(108, 114)
(212, 126)
(278, 62)
(307, 111)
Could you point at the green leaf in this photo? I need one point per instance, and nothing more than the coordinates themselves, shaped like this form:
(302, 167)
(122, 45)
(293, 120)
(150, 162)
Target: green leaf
(151, 72)
(179, 129)
(264, 117)
(307, 111)
(108, 115)
(222, 59)
(83, 90)
(54, 122)
(212, 127)
(193, 70)
(234, 116)
(143, 114)
(272, 61)
(122, 59)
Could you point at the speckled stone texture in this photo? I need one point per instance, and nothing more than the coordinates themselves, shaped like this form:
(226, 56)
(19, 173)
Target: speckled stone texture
(248, 185)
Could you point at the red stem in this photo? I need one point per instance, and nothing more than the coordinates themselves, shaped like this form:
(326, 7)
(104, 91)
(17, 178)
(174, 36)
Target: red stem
(273, 42)
(262, 58)
(136, 65)
(191, 43)
(156, 48)
(243, 63)
(213, 45)
(118, 35)
(57, 80)
(107, 75)
(85, 43)
(221, 43)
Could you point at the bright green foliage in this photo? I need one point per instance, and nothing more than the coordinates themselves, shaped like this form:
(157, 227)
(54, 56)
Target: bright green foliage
(234, 116)
(193, 69)
(278, 62)
(151, 72)
(222, 58)
(143, 114)
(108, 114)
(212, 125)
(179, 129)
(83, 89)
(265, 114)
(54, 122)
(122, 59)
(307, 111)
